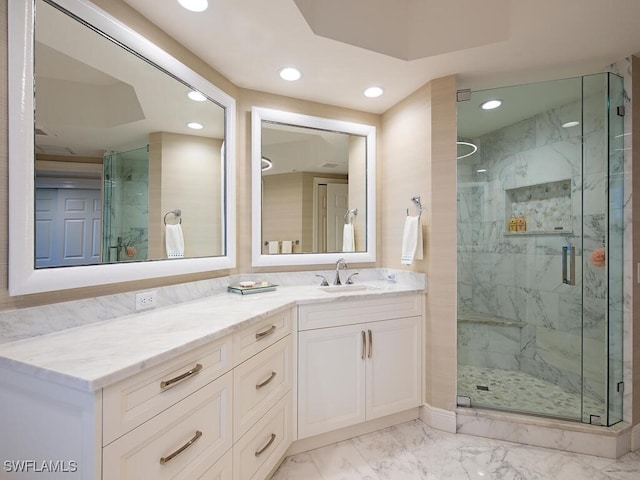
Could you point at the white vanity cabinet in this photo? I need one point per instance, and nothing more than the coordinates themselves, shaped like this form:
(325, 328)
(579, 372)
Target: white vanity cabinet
(357, 360)
(221, 411)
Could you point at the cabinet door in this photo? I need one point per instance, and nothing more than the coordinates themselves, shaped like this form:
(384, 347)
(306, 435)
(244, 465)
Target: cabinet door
(331, 363)
(393, 366)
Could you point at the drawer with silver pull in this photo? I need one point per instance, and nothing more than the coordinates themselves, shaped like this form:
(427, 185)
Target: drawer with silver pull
(255, 338)
(259, 383)
(264, 445)
(138, 398)
(183, 442)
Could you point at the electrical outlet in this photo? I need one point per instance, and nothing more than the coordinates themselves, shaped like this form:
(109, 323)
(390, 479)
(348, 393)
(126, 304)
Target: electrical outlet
(145, 300)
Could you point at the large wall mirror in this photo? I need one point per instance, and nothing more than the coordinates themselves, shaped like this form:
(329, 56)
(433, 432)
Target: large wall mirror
(313, 182)
(121, 158)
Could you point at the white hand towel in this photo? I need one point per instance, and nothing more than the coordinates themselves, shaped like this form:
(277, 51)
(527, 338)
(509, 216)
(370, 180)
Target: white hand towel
(348, 238)
(174, 240)
(274, 247)
(287, 246)
(411, 240)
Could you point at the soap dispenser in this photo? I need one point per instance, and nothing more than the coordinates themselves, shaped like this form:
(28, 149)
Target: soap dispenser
(513, 224)
(521, 224)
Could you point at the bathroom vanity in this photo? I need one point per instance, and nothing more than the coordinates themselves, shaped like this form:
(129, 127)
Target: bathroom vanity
(207, 389)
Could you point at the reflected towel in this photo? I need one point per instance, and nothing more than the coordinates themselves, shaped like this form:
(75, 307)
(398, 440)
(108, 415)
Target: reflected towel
(411, 240)
(348, 238)
(274, 247)
(174, 241)
(287, 246)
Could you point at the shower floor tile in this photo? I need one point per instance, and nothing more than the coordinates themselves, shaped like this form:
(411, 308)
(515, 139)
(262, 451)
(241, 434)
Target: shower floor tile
(519, 392)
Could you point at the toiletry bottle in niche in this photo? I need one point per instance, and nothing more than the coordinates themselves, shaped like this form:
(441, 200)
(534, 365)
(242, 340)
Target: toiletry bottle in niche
(513, 224)
(521, 224)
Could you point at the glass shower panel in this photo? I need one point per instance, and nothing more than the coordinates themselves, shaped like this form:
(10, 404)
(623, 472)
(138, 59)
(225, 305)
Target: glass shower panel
(616, 202)
(126, 206)
(520, 249)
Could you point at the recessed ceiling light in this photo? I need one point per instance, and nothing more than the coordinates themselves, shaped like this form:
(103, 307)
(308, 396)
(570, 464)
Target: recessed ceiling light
(373, 92)
(266, 164)
(570, 124)
(472, 149)
(491, 104)
(194, 5)
(196, 96)
(195, 125)
(290, 74)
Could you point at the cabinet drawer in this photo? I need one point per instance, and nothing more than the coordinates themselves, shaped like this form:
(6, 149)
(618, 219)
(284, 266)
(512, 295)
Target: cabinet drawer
(136, 399)
(183, 442)
(259, 383)
(350, 312)
(221, 470)
(251, 340)
(264, 445)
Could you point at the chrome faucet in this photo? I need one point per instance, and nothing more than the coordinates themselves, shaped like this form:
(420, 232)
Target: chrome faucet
(344, 267)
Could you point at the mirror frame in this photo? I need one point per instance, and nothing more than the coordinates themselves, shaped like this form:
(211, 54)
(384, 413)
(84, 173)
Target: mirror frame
(24, 278)
(258, 115)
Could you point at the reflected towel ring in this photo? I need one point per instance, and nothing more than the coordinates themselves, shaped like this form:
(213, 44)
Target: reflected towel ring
(346, 215)
(177, 212)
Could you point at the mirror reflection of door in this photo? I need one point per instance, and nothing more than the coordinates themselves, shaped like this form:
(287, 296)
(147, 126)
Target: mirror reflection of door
(68, 226)
(330, 204)
(337, 205)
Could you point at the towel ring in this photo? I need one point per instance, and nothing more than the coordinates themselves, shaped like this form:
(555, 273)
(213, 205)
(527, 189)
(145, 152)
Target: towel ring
(177, 213)
(346, 215)
(416, 201)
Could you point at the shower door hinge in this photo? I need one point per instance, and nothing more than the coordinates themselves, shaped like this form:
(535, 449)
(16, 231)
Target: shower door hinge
(620, 387)
(621, 110)
(463, 95)
(463, 401)
(595, 420)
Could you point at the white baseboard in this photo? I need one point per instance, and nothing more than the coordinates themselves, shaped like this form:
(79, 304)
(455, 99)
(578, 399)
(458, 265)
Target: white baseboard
(438, 418)
(323, 439)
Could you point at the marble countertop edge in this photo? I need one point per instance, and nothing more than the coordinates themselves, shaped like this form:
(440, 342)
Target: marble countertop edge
(93, 356)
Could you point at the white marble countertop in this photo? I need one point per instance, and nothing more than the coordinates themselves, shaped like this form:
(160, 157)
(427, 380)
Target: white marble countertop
(93, 356)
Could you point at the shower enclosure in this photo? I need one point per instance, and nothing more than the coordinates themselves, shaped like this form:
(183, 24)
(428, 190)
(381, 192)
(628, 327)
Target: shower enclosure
(540, 255)
(125, 231)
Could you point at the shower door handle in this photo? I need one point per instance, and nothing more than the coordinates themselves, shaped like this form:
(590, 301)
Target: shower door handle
(569, 265)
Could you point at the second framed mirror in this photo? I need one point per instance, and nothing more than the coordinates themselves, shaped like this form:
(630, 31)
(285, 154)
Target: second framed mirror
(313, 189)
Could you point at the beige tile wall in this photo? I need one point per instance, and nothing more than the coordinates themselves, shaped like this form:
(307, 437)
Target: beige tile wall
(419, 151)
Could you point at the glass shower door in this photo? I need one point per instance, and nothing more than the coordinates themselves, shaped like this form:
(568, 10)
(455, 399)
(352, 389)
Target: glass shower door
(533, 227)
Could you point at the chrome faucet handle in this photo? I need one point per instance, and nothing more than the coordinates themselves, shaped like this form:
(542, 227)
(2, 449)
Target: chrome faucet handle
(349, 281)
(324, 280)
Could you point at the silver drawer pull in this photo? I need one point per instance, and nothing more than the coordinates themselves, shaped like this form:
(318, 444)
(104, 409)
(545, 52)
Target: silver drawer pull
(266, 382)
(259, 452)
(370, 344)
(168, 458)
(269, 331)
(364, 345)
(170, 383)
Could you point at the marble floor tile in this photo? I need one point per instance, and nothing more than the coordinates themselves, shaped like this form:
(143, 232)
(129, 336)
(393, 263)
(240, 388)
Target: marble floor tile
(414, 451)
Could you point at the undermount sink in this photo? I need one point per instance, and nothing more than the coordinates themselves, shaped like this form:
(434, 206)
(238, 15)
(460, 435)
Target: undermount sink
(346, 288)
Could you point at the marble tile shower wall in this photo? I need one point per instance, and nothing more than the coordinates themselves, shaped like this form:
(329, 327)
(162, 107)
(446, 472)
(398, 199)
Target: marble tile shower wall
(519, 277)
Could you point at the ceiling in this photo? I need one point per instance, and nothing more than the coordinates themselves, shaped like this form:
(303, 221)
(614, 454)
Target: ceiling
(344, 46)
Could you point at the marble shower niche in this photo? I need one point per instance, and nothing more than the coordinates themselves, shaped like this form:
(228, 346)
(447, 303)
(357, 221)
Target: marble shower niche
(546, 208)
